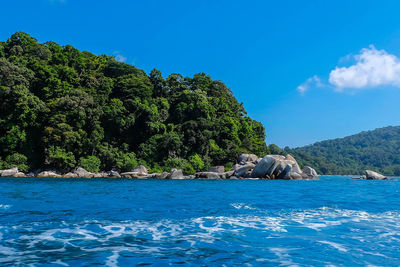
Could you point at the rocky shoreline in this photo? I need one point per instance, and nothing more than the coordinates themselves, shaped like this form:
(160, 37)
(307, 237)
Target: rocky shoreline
(249, 166)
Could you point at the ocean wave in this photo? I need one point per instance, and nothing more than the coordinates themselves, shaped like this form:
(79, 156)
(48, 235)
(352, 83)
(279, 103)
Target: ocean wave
(370, 232)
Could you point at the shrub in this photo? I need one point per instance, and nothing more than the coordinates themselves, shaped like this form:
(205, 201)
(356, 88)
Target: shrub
(156, 169)
(179, 163)
(17, 160)
(228, 166)
(90, 163)
(126, 162)
(61, 159)
(197, 162)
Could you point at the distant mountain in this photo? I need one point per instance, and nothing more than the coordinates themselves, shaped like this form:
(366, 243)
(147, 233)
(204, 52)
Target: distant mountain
(378, 150)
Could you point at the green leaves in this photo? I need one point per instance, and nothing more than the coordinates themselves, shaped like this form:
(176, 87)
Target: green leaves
(60, 159)
(17, 160)
(90, 163)
(59, 105)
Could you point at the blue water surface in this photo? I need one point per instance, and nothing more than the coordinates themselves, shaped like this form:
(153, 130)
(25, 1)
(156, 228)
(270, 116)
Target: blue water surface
(117, 222)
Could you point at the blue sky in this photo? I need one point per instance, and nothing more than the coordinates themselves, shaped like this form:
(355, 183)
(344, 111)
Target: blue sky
(308, 70)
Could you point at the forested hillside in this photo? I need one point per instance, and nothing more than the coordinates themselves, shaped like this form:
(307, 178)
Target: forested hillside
(62, 108)
(377, 150)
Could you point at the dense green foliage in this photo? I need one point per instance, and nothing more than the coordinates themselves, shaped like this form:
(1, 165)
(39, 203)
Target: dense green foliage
(63, 108)
(376, 150)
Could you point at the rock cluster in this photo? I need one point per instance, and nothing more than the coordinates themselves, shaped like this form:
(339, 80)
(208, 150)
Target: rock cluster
(248, 166)
(371, 175)
(277, 167)
(268, 167)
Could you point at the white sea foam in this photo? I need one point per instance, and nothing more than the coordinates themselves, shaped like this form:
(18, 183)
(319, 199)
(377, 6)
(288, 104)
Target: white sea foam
(283, 256)
(374, 231)
(112, 261)
(5, 206)
(242, 206)
(59, 262)
(334, 245)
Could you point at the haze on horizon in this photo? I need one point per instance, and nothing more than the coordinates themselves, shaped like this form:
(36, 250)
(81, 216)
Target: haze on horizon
(308, 70)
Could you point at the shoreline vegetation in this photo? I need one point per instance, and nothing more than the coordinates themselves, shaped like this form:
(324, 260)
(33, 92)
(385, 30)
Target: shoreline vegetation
(62, 109)
(249, 166)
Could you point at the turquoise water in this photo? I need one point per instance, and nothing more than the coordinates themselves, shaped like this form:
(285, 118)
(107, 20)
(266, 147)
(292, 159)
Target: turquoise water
(116, 222)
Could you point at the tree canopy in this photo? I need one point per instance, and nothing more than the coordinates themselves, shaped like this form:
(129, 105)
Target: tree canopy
(62, 108)
(376, 150)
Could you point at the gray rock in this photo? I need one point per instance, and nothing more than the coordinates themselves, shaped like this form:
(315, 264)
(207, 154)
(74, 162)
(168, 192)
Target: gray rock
(70, 175)
(135, 175)
(310, 172)
(141, 170)
(280, 167)
(163, 175)
(266, 166)
(296, 176)
(240, 172)
(82, 173)
(113, 174)
(218, 169)
(371, 175)
(208, 175)
(237, 167)
(100, 175)
(227, 174)
(50, 174)
(19, 174)
(296, 167)
(247, 158)
(175, 174)
(9, 172)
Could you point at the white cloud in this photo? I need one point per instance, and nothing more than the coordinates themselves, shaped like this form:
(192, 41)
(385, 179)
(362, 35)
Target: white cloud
(119, 57)
(372, 68)
(313, 81)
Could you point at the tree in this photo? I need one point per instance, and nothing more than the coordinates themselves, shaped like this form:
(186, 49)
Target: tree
(59, 105)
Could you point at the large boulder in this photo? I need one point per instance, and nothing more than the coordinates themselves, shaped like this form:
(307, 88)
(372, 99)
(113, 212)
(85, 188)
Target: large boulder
(310, 172)
(266, 166)
(227, 174)
(281, 167)
(113, 174)
(282, 170)
(82, 173)
(141, 170)
(247, 158)
(49, 174)
(243, 170)
(70, 175)
(175, 174)
(217, 169)
(9, 172)
(296, 167)
(162, 175)
(371, 175)
(100, 175)
(19, 174)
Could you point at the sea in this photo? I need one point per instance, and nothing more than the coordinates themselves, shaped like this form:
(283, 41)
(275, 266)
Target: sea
(336, 221)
